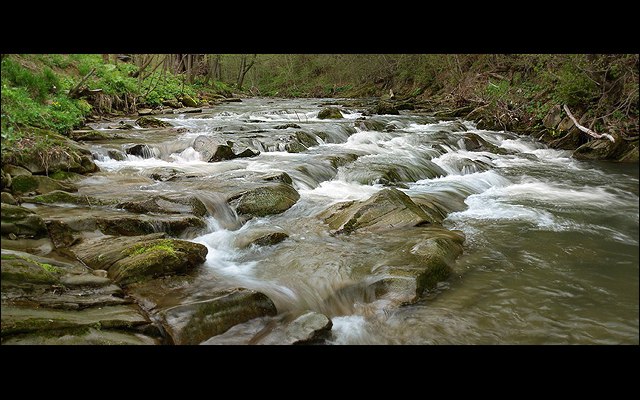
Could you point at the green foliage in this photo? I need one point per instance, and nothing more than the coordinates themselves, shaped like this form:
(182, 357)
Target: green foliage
(497, 91)
(574, 87)
(38, 84)
(160, 87)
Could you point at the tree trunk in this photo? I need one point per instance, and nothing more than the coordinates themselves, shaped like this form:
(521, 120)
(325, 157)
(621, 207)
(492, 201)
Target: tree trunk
(244, 68)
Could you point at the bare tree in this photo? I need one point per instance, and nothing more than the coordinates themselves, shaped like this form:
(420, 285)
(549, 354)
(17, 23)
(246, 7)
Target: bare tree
(244, 68)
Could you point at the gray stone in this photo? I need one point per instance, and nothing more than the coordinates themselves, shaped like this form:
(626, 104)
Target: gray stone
(309, 328)
(267, 200)
(385, 210)
(196, 322)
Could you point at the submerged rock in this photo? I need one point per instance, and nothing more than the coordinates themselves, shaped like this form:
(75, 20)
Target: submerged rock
(286, 126)
(473, 142)
(421, 268)
(260, 238)
(196, 322)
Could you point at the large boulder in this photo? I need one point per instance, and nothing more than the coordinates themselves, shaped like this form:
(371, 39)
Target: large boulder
(387, 209)
(21, 221)
(151, 122)
(267, 200)
(386, 108)
(134, 259)
(157, 258)
(300, 142)
(196, 322)
(330, 113)
(39, 184)
(631, 155)
(188, 101)
(213, 150)
(599, 149)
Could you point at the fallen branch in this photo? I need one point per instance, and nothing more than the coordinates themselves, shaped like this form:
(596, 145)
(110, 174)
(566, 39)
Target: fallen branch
(587, 130)
(75, 92)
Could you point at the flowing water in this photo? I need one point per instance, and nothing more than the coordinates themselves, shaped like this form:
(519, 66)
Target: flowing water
(551, 251)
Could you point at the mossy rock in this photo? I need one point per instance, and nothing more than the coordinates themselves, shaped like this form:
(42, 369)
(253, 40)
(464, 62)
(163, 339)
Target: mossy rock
(599, 149)
(188, 101)
(387, 209)
(267, 200)
(7, 198)
(65, 176)
(386, 108)
(59, 196)
(156, 258)
(151, 122)
(90, 336)
(53, 153)
(22, 222)
(196, 322)
(22, 268)
(39, 184)
(6, 180)
(330, 113)
(14, 170)
(16, 320)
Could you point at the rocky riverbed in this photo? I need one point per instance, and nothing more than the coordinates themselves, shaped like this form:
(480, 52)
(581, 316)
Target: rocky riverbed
(259, 222)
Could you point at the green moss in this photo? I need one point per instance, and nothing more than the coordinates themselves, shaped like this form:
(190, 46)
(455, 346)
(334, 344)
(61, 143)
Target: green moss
(24, 184)
(64, 175)
(48, 267)
(165, 245)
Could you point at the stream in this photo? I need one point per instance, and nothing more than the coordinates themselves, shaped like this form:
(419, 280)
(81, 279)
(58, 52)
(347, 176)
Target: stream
(551, 249)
